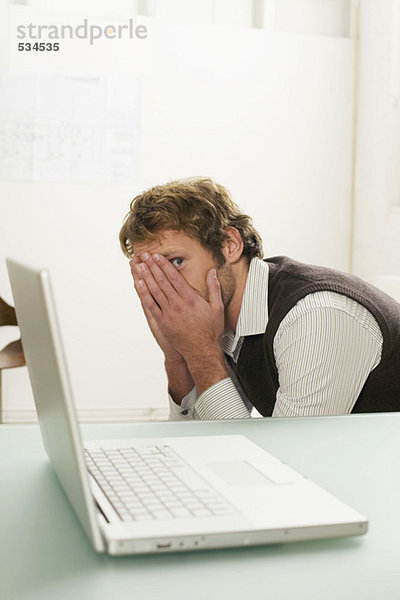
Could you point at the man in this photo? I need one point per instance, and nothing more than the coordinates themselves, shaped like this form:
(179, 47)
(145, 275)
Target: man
(239, 332)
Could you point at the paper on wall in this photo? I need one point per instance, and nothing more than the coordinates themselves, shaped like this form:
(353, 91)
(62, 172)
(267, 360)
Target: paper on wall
(69, 128)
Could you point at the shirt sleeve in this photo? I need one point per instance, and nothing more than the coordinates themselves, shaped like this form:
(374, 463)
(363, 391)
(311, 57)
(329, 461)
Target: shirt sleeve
(325, 348)
(220, 401)
(184, 410)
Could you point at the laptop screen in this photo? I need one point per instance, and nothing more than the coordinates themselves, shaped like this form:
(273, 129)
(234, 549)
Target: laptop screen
(43, 349)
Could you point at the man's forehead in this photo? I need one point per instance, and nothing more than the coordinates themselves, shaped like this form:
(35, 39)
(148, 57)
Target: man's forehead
(166, 243)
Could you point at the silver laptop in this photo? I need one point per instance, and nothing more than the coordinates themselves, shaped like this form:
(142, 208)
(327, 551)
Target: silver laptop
(165, 494)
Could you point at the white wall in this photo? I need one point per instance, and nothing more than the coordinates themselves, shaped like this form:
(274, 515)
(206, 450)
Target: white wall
(269, 114)
(376, 248)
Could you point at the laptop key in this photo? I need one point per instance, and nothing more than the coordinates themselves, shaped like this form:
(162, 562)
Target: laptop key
(190, 478)
(162, 514)
(143, 518)
(180, 512)
(201, 512)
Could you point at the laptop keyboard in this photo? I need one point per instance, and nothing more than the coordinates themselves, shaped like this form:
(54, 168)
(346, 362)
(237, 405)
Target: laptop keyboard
(153, 482)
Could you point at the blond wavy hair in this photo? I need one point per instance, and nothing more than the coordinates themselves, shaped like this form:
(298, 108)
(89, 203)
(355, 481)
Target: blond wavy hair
(198, 206)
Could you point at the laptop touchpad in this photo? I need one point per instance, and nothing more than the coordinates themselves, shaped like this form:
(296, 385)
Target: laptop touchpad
(239, 472)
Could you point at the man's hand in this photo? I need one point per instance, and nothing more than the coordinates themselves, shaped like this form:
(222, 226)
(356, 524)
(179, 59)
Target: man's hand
(180, 381)
(170, 353)
(187, 322)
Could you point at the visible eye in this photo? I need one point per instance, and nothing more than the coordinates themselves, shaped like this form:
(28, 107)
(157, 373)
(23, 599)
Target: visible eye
(177, 262)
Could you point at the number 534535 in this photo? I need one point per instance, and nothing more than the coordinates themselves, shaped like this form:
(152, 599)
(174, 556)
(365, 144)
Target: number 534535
(39, 46)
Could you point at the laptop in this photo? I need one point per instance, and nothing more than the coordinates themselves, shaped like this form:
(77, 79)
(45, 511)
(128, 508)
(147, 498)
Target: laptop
(136, 496)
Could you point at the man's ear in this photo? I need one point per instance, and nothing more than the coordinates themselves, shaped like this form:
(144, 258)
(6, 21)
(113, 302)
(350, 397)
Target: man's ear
(232, 248)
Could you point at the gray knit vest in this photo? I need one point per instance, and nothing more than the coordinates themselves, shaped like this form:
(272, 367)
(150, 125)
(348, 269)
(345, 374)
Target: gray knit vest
(289, 282)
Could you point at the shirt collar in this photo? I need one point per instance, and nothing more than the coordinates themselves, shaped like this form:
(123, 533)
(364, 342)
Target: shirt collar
(253, 316)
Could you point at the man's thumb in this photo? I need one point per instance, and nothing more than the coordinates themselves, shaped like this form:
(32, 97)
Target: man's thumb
(214, 288)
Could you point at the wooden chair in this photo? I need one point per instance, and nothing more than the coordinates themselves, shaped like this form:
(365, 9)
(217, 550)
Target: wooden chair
(12, 355)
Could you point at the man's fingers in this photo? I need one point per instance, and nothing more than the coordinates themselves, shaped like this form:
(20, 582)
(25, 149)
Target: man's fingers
(133, 266)
(140, 285)
(152, 286)
(136, 277)
(139, 275)
(150, 306)
(160, 277)
(214, 289)
(153, 276)
(174, 277)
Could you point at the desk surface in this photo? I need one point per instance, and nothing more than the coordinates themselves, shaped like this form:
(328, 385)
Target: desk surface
(45, 555)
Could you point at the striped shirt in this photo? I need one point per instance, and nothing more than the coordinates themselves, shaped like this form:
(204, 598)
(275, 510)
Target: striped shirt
(324, 350)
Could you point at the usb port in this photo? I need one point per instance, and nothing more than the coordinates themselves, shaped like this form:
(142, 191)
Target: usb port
(165, 545)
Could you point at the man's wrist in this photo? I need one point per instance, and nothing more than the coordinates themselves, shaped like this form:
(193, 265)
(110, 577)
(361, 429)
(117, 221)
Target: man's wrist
(174, 362)
(207, 369)
(180, 381)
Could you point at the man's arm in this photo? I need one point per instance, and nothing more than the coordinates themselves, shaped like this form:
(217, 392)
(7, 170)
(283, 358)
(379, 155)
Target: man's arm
(180, 381)
(220, 401)
(192, 327)
(188, 323)
(324, 349)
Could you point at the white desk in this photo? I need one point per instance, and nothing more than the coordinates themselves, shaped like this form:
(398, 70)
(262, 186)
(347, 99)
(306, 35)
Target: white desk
(44, 554)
